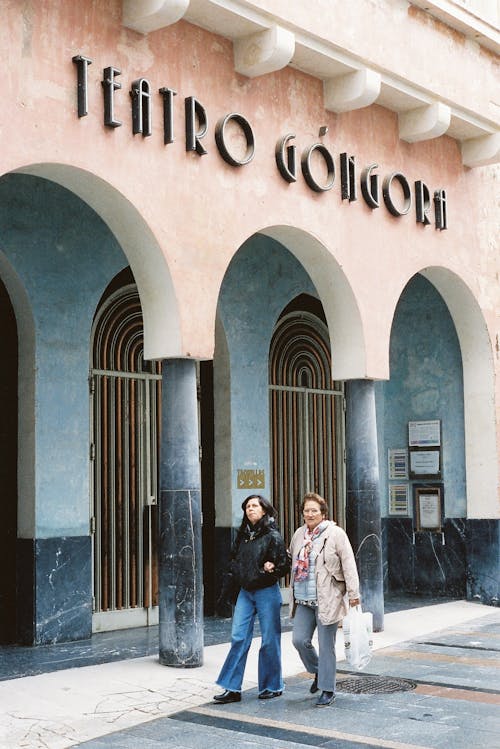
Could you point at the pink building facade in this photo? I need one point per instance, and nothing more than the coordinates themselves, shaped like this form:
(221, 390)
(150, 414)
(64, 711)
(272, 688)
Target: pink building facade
(244, 246)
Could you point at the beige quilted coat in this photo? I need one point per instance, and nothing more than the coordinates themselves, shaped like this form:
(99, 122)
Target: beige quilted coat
(336, 572)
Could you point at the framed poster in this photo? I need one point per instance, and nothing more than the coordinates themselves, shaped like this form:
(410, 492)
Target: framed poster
(428, 508)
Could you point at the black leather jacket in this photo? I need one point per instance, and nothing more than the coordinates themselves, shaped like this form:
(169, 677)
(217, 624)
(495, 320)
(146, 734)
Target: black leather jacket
(255, 545)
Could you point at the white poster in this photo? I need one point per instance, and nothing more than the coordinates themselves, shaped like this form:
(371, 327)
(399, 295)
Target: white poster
(424, 433)
(429, 511)
(425, 462)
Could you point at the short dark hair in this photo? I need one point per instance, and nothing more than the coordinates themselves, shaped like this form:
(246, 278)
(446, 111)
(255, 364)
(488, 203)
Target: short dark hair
(264, 503)
(312, 496)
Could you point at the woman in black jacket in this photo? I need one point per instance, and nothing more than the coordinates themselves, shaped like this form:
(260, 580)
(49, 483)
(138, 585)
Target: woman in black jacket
(258, 559)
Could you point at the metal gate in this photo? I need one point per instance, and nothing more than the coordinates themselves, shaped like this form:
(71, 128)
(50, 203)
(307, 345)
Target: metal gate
(125, 418)
(307, 420)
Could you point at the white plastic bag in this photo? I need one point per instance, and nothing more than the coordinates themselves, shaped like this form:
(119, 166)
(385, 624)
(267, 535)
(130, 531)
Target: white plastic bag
(357, 628)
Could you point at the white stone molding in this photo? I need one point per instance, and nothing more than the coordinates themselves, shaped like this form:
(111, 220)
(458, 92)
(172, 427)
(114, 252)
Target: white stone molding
(481, 151)
(352, 91)
(267, 40)
(263, 52)
(423, 123)
(148, 15)
(482, 28)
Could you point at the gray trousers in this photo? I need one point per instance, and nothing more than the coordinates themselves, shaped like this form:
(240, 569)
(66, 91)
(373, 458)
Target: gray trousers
(324, 664)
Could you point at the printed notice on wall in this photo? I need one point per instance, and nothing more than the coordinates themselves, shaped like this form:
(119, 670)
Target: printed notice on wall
(424, 433)
(425, 463)
(398, 463)
(398, 499)
(429, 511)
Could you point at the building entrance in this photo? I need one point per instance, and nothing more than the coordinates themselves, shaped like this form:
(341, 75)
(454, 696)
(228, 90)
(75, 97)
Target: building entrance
(307, 419)
(125, 422)
(8, 469)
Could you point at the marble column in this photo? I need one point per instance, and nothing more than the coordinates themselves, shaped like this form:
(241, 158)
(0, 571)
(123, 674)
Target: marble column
(180, 548)
(363, 495)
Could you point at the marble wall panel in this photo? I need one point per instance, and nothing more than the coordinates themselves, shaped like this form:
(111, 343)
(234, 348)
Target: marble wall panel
(460, 562)
(54, 590)
(483, 561)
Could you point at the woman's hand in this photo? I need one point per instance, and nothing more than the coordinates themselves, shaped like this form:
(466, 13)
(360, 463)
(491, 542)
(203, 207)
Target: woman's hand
(268, 566)
(354, 602)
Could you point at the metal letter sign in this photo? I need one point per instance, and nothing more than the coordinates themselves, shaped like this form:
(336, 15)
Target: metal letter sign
(287, 167)
(316, 158)
(82, 63)
(306, 167)
(440, 209)
(347, 177)
(141, 107)
(422, 203)
(386, 190)
(168, 114)
(110, 86)
(247, 132)
(369, 186)
(195, 111)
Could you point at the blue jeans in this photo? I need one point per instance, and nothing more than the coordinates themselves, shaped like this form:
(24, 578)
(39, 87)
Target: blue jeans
(325, 665)
(266, 604)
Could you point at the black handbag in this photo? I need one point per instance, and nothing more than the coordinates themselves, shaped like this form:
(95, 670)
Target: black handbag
(230, 588)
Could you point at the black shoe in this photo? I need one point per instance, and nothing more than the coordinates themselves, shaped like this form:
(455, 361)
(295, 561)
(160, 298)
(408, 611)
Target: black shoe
(268, 695)
(325, 699)
(227, 696)
(314, 686)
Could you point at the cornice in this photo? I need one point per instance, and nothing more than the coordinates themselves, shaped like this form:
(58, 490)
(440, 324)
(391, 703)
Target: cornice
(264, 43)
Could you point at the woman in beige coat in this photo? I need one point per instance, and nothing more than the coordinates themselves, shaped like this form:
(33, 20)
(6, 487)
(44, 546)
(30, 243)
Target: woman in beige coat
(324, 574)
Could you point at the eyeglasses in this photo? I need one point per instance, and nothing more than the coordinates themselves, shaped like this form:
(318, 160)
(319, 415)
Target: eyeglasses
(311, 512)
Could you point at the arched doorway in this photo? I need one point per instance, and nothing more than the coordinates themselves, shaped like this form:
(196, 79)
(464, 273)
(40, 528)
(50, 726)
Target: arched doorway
(426, 385)
(125, 423)
(307, 415)
(8, 469)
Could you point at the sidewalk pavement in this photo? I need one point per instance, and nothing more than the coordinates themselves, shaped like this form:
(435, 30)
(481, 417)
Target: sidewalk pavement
(447, 655)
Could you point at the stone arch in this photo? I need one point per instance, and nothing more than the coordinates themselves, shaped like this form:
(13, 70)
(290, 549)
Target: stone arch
(347, 334)
(162, 334)
(267, 272)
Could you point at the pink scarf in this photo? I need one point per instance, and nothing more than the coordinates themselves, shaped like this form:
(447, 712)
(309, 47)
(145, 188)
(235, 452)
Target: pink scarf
(301, 569)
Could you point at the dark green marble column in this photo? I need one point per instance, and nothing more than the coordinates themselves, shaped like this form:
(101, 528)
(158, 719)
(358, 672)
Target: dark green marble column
(363, 520)
(180, 555)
